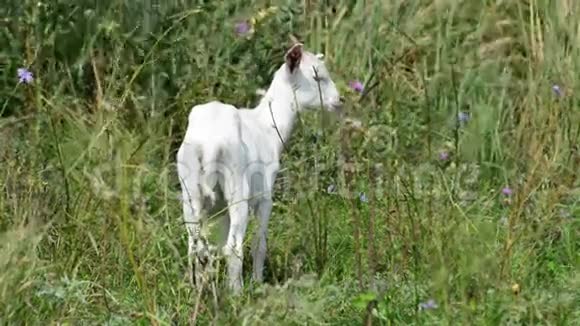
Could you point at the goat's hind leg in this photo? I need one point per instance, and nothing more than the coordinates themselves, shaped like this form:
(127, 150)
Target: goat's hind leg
(192, 219)
(238, 211)
(263, 212)
(192, 216)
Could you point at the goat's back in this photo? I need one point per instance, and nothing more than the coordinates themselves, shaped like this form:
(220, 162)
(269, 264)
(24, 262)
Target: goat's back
(212, 121)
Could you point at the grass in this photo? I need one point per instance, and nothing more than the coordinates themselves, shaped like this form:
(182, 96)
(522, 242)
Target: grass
(90, 220)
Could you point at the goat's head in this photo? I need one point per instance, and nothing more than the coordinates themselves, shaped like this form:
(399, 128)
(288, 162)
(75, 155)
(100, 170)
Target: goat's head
(311, 80)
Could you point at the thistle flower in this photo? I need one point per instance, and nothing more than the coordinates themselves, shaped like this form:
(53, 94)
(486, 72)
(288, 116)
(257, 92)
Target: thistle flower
(24, 76)
(507, 191)
(357, 86)
(242, 28)
(444, 156)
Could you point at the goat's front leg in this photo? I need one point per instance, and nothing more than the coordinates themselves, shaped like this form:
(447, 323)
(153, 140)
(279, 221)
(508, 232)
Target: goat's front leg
(263, 214)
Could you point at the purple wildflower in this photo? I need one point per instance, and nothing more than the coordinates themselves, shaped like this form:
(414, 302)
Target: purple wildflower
(24, 76)
(557, 90)
(463, 117)
(357, 86)
(507, 191)
(443, 156)
(363, 197)
(242, 28)
(429, 304)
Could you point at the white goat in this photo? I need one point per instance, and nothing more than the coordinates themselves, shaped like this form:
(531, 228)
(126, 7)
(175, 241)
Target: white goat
(235, 153)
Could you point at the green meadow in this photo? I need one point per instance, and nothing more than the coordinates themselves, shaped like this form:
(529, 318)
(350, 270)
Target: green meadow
(447, 193)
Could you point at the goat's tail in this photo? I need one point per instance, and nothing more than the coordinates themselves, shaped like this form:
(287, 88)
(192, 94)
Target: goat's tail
(197, 170)
(189, 171)
(210, 161)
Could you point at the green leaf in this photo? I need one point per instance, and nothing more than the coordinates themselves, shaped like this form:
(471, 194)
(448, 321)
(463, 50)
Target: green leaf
(363, 299)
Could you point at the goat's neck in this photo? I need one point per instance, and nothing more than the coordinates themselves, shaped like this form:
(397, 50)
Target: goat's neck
(277, 110)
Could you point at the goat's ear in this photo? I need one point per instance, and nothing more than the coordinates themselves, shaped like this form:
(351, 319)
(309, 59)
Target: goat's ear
(293, 56)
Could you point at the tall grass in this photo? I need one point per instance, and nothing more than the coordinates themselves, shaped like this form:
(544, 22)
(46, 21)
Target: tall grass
(374, 215)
